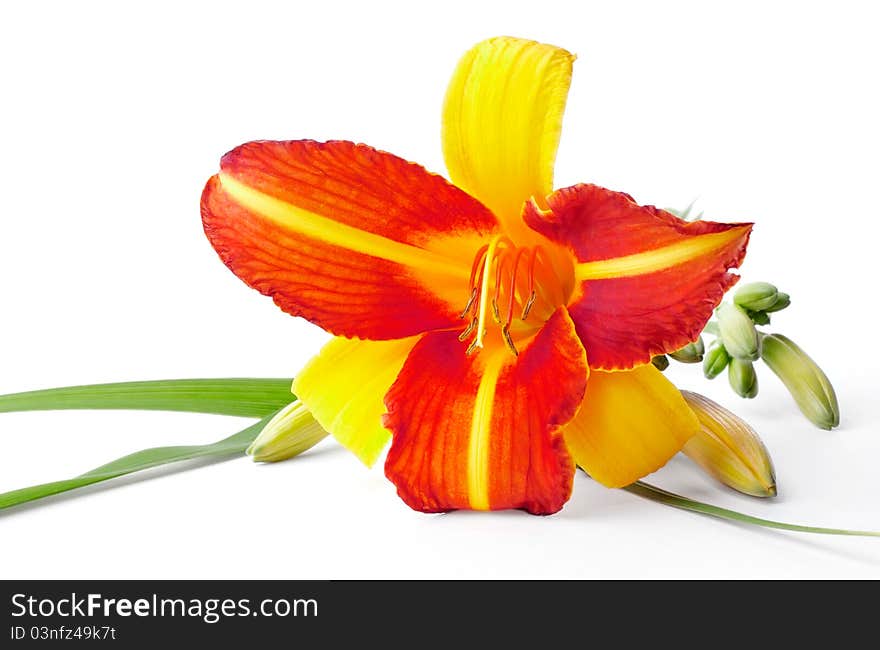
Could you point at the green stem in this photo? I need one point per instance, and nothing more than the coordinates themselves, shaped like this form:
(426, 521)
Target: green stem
(235, 444)
(653, 493)
(243, 397)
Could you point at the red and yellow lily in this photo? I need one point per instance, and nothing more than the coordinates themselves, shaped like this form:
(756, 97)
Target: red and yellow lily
(498, 332)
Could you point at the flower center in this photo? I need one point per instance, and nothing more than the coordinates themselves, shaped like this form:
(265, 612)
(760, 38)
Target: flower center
(522, 285)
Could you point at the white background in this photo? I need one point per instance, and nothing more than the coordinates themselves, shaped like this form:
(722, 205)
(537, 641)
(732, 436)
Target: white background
(113, 117)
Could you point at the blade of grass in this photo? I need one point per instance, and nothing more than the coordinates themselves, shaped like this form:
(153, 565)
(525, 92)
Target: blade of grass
(658, 495)
(140, 460)
(243, 397)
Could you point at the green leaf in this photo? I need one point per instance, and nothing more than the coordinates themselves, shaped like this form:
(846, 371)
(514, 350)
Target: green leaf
(653, 493)
(243, 397)
(140, 460)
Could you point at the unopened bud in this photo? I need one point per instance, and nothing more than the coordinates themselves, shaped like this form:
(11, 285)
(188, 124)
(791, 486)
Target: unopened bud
(783, 300)
(691, 353)
(759, 317)
(715, 360)
(804, 379)
(756, 296)
(737, 332)
(686, 213)
(729, 450)
(292, 431)
(660, 362)
(743, 378)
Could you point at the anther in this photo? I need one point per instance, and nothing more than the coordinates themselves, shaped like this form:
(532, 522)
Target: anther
(506, 332)
(532, 294)
(467, 332)
(531, 301)
(470, 303)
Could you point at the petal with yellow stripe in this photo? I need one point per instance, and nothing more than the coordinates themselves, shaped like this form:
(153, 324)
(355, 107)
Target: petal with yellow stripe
(358, 241)
(502, 119)
(343, 387)
(629, 425)
(646, 282)
(483, 431)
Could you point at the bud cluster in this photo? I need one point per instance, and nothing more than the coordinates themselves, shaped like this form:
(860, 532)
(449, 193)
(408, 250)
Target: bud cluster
(739, 345)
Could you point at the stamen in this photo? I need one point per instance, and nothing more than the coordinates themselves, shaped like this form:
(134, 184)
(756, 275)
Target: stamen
(547, 265)
(512, 298)
(475, 267)
(532, 294)
(477, 291)
(467, 332)
(469, 304)
(513, 284)
(537, 251)
(531, 301)
(506, 332)
(478, 261)
(499, 268)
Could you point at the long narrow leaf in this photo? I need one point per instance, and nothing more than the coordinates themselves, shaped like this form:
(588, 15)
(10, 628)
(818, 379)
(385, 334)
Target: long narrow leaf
(244, 397)
(136, 462)
(653, 493)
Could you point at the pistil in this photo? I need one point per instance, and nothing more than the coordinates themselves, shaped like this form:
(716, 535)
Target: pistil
(484, 289)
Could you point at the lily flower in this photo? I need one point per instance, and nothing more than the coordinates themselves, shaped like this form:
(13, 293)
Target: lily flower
(498, 332)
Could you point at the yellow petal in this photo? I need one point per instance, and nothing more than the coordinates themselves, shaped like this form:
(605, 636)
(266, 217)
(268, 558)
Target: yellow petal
(630, 424)
(344, 387)
(501, 122)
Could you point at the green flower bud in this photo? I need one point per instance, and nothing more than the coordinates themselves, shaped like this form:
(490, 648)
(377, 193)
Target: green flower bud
(737, 332)
(759, 317)
(292, 431)
(805, 380)
(686, 213)
(715, 360)
(756, 296)
(783, 300)
(743, 378)
(729, 450)
(660, 362)
(691, 353)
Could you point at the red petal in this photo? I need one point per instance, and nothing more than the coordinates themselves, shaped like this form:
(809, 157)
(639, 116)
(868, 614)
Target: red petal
(511, 453)
(647, 280)
(358, 241)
